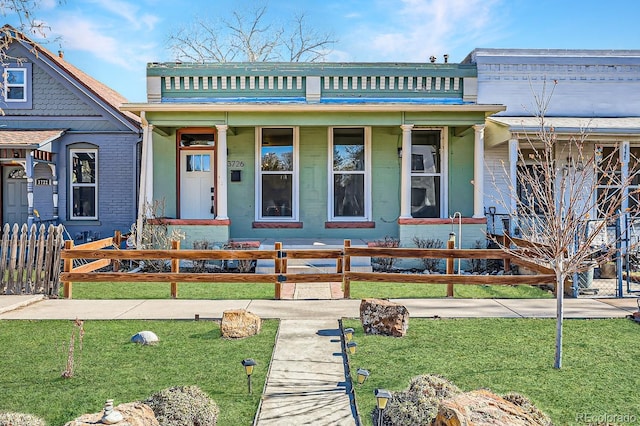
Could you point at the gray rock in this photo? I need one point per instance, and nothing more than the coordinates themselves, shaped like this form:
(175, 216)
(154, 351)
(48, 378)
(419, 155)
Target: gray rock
(145, 338)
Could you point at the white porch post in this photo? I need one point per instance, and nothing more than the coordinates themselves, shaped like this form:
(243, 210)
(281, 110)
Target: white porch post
(54, 178)
(405, 172)
(29, 172)
(625, 159)
(221, 173)
(478, 171)
(513, 182)
(146, 178)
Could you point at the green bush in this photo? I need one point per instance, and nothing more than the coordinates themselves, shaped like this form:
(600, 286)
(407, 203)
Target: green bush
(184, 406)
(20, 419)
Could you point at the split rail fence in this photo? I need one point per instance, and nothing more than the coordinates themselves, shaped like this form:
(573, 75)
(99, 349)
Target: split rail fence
(280, 257)
(30, 259)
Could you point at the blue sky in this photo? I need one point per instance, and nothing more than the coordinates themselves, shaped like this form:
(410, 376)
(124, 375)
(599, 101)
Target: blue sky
(112, 40)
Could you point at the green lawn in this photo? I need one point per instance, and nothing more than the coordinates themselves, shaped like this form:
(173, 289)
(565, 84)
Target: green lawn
(33, 357)
(359, 290)
(220, 291)
(599, 374)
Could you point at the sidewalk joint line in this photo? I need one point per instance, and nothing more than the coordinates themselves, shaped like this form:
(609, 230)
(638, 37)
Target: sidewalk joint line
(505, 306)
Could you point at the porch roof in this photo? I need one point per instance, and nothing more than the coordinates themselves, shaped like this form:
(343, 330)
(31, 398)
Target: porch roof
(30, 138)
(500, 129)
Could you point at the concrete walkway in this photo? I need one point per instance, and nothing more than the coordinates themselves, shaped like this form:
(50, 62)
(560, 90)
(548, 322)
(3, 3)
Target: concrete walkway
(306, 383)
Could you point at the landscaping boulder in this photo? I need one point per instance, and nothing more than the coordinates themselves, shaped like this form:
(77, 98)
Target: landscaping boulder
(145, 338)
(383, 317)
(239, 323)
(483, 407)
(133, 414)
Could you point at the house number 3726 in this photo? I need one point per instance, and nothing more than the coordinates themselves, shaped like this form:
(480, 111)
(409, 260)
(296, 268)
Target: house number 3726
(235, 163)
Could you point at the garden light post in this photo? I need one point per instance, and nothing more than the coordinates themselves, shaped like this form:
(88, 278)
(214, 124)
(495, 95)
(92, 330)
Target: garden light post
(348, 334)
(382, 397)
(351, 347)
(362, 375)
(248, 365)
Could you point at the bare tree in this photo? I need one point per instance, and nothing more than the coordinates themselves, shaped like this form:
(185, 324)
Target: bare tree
(566, 198)
(22, 12)
(248, 36)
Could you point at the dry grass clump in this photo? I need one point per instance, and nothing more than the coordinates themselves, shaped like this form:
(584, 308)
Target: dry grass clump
(183, 406)
(20, 419)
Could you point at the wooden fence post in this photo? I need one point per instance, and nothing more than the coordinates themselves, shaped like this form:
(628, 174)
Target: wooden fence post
(175, 267)
(67, 289)
(278, 270)
(346, 281)
(117, 241)
(505, 241)
(451, 244)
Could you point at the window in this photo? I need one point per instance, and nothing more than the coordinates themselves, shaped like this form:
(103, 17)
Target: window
(84, 183)
(427, 195)
(15, 85)
(610, 169)
(277, 174)
(530, 176)
(349, 176)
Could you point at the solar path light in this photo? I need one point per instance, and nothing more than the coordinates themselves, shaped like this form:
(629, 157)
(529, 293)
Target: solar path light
(248, 365)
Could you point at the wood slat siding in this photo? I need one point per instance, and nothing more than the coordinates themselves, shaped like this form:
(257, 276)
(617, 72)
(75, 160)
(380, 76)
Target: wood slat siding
(30, 259)
(280, 257)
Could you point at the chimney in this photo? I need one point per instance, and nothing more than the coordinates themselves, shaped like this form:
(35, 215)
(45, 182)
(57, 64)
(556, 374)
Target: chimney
(60, 54)
(446, 58)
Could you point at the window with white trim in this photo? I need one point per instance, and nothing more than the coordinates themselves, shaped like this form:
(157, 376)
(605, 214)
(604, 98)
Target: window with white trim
(350, 174)
(427, 178)
(611, 167)
(277, 174)
(15, 84)
(83, 177)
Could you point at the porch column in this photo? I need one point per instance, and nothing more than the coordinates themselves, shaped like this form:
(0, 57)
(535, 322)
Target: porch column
(221, 172)
(54, 179)
(513, 183)
(29, 171)
(405, 172)
(146, 177)
(478, 171)
(625, 160)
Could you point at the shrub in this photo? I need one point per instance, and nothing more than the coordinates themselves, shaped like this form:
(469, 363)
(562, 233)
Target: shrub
(418, 405)
(384, 264)
(20, 419)
(429, 264)
(478, 265)
(183, 406)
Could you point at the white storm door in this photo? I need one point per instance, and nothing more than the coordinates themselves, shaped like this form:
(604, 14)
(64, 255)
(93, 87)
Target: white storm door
(196, 184)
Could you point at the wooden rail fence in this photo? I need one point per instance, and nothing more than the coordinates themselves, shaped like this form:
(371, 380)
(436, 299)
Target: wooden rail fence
(342, 256)
(30, 259)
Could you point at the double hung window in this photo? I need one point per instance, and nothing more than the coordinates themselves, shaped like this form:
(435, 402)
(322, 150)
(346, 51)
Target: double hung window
(426, 173)
(277, 174)
(350, 174)
(84, 183)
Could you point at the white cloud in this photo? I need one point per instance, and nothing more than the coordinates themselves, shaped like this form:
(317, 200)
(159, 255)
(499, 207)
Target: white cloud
(85, 35)
(129, 12)
(421, 28)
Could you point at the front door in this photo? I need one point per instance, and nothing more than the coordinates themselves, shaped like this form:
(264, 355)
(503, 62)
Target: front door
(196, 184)
(14, 200)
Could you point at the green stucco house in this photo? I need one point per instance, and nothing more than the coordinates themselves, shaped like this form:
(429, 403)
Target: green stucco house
(319, 151)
